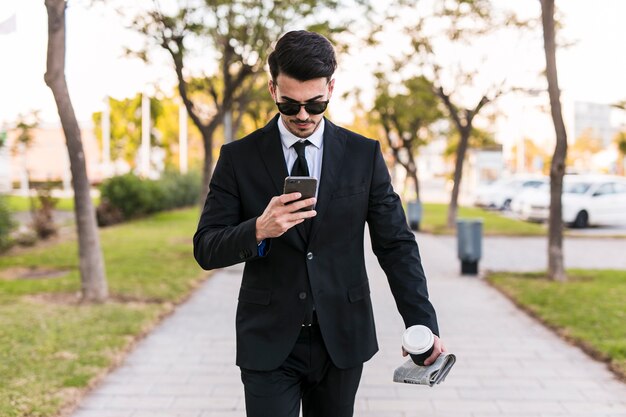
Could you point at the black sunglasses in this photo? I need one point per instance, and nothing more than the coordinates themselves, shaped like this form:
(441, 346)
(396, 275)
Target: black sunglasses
(291, 109)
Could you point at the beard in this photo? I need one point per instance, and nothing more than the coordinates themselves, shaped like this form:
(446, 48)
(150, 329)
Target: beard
(301, 128)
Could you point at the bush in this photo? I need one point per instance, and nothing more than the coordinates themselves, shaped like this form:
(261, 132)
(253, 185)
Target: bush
(6, 224)
(126, 193)
(43, 212)
(181, 190)
(128, 196)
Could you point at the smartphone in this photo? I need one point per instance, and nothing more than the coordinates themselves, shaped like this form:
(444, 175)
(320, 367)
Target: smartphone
(303, 185)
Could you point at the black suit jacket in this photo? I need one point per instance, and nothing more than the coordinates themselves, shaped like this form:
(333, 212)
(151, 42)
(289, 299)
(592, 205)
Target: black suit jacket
(329, 266)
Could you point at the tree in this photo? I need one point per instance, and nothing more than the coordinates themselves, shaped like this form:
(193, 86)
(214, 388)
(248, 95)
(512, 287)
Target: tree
(167, 132)
(462, 120)
(24, 127)
(91, 262)
(42, 206)
(250, 112)
(454, 25)
(253, 110)
(556, 269)
(239, 33)
(126, 126)
(405, 118)
(479, 139)
(620, 105)
(620, 142)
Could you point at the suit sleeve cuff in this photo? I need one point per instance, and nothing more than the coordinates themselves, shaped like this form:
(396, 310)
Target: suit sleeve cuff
(252, 249)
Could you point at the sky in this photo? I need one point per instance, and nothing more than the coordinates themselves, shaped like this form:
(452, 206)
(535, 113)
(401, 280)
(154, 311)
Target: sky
(592, 69)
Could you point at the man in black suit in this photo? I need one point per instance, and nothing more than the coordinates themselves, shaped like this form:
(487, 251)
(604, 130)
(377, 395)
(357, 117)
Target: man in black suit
(304, 318)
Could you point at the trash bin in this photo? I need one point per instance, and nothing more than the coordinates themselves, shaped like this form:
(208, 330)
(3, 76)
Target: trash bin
(469, 244)
(414, 209)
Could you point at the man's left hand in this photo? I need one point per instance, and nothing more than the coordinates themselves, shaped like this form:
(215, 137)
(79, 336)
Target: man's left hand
(438, 349)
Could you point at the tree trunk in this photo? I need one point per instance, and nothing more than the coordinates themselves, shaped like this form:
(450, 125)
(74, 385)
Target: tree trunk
(207, 169)
(410, 166)
(412, 172)
(92, 273)
(556, 270)
(461, 150)
(207, 132)
(464, 127)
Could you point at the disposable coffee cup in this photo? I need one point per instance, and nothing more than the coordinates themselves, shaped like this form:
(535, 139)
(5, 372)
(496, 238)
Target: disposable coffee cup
(418, 341)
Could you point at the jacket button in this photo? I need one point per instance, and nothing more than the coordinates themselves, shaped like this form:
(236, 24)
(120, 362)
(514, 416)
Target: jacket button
(302, 296)
(309, 256)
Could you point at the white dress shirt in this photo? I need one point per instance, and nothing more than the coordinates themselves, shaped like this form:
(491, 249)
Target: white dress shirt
(312, 152)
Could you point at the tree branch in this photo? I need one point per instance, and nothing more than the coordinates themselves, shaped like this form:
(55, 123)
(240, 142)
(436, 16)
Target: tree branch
(451, 107)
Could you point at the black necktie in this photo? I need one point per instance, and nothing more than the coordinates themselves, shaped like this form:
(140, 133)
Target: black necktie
(300, 167)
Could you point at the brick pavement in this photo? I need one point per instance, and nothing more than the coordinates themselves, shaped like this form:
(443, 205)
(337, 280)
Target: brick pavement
(508, 365)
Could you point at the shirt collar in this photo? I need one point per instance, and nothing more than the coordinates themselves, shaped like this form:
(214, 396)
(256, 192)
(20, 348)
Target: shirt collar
(288, 138)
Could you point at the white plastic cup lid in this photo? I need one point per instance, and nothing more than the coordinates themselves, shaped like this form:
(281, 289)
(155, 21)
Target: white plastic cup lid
(417, 339)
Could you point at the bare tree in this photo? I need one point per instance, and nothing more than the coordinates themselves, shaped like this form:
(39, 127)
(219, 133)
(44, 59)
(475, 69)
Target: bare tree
(455, 24)
(24, 127)
(93, 279)
(556, 269)
(462, 120)
(240, 33)
(405, 117)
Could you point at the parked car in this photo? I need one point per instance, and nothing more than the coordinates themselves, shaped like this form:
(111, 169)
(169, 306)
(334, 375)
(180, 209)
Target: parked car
(598, 200)
(500, 193)
(521, 203)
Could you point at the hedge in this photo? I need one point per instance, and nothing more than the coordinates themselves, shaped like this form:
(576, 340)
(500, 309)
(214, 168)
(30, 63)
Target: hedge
(127, 196)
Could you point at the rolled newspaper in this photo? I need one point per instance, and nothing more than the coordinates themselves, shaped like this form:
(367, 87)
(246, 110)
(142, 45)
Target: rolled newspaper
(435, 373)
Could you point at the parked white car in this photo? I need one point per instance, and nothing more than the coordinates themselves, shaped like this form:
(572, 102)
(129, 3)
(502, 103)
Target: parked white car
(598, 200)
(500, 193)
(518, 204)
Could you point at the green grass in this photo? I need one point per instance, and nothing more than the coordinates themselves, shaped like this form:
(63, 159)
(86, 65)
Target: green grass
(589, 309)
(20, 203)
(49, 348)
(434, 221)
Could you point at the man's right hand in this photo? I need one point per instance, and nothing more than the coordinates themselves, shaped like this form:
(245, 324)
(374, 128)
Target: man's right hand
(281, 214)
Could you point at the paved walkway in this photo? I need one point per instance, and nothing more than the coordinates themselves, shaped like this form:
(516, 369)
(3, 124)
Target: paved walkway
(508, 365)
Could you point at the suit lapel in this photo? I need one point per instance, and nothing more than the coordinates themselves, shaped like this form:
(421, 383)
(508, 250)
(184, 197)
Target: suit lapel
(334, 149)
(271, 151)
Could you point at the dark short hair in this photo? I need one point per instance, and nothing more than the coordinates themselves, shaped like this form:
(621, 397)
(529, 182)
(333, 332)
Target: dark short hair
(303, 55)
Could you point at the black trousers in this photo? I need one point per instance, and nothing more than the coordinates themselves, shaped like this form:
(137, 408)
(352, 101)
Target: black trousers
(308, 376)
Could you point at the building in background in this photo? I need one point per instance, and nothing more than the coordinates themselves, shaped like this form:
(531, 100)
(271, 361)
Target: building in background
(482, 166)
(603, 122)
(47, 159)
(5, 179)
(593, 118)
